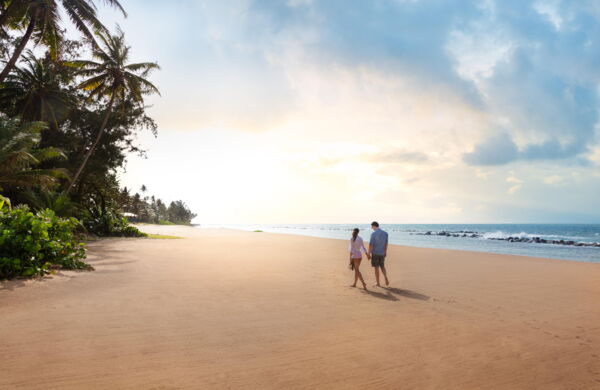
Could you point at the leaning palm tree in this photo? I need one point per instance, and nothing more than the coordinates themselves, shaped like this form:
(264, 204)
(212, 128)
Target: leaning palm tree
(41, 20)
(18, 156)
(113, 81)
(33, 92)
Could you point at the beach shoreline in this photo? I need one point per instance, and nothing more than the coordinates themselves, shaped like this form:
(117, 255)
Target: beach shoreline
(231, 309)
(159, 231)
(575, 242)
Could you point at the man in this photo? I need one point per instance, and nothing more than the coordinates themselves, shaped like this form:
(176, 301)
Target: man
(378, 244)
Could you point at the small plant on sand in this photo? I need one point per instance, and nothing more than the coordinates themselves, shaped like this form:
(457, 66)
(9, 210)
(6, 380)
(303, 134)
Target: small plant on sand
(163, 237)
(32, 243)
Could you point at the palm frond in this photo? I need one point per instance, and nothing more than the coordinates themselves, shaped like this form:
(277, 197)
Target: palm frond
(49, 154)
(92, 83)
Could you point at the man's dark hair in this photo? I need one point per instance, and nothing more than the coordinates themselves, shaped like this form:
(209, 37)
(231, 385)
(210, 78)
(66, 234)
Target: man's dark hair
(374, 224)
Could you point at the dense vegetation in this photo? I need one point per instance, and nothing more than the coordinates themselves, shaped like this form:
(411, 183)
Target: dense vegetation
(149, 209)
(32, 243)
(70, 111)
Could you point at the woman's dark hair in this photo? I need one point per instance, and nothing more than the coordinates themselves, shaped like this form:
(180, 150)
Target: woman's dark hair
(355, 234)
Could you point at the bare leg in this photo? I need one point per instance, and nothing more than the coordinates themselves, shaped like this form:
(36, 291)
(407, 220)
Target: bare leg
(358, 274)
(353, 262)
(377, 275)
(356, 263)
(387, 282)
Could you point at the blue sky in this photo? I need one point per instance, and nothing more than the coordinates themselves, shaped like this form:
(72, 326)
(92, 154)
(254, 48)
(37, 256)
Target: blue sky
(398, 110)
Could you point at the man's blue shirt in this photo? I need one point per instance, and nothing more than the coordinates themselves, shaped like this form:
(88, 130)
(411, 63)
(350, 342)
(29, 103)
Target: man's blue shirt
(378, 239)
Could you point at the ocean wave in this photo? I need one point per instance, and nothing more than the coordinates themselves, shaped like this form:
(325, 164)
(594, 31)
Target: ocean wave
(500, 235)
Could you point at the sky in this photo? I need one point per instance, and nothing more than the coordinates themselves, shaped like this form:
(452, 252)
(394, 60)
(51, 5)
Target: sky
(401, 111)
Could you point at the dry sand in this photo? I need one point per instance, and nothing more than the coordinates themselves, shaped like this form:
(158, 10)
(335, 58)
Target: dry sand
(228, 309)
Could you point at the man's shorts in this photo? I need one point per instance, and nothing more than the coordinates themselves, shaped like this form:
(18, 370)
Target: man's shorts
(377, 260)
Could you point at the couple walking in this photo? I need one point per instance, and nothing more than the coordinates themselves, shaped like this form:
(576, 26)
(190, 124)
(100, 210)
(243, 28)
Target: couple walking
(378, 244)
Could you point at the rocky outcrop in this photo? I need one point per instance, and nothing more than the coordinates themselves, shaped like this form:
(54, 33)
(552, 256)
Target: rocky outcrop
(534, 240)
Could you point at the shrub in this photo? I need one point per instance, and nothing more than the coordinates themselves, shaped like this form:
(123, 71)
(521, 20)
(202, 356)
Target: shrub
(31, 243)
(109, 223)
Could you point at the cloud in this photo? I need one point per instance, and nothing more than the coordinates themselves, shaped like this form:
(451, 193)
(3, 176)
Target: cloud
(517, 184)
(389, 91)
(500, 149)
(550, 9)
(401, 156)
(496, 150)
(482, 174)
(507, 59)
(554, 179)
(537, 75)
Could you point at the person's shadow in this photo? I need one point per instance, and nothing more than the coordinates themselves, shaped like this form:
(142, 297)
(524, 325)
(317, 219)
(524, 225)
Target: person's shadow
(387, 297)
(408, 293)
(393, 291)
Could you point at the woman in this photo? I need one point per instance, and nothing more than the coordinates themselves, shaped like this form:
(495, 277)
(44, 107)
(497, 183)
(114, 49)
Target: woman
(357, 247)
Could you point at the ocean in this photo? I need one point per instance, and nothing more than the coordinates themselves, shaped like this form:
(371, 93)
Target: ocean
(579, 242)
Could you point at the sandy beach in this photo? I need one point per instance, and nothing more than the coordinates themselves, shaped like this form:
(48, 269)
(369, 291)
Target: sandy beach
(231, 309)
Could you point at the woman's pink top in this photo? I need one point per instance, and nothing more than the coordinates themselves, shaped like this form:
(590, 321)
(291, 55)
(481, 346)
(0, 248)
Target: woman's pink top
(355, 248)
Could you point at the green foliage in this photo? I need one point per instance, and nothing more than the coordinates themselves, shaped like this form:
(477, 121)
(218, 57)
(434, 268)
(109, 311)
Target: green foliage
(59, 202)
(109, 223)
(163, 237)
(111, 74)
(43, 24)
(59, 114)
(19, 155)
(179, 213)
(111, 78)
(34, 92)
(31, 243)
(153, 210)
(4, 201)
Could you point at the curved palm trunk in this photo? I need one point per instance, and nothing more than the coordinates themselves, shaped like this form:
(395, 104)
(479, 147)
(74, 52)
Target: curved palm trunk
(94, 145)
(19, 49)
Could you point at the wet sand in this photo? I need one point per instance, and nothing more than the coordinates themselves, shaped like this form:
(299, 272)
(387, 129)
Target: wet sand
(224, 309)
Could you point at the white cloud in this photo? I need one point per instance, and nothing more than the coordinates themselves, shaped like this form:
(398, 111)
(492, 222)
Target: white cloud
(551, 10)
(329, 107)
(477, 52)
(518, 183)
(554, 180)
(482, 174)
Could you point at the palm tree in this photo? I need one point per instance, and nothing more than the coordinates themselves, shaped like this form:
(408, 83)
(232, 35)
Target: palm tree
(113, 79)
(59, 202)
(18, 155)
(33, 92)
(41, 20)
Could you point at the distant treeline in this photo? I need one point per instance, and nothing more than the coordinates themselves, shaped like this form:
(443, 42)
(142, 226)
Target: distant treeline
(149, 209)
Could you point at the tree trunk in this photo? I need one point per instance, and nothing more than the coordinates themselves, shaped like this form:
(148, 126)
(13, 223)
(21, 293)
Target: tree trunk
(19, 49)
(94, 145)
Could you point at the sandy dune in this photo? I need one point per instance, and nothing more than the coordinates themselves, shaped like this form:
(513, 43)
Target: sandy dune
(228, 309)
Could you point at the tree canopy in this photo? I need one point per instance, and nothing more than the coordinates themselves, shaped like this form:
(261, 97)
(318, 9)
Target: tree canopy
(70, 115)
